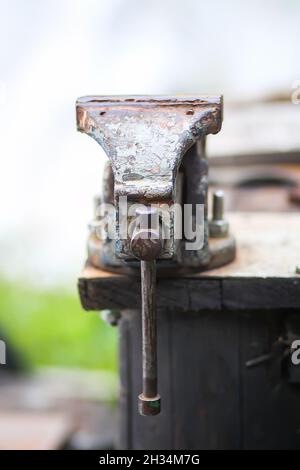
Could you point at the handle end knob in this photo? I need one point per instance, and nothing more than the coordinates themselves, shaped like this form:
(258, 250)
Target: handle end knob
(149, 406)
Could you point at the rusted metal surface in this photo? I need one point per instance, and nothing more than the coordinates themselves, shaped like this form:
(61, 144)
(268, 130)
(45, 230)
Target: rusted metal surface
(108, 184)
(149, 400)
(146, 245)
(156, 147)
(145, 139)
(146, 241)
(195, 187)
(193, 174)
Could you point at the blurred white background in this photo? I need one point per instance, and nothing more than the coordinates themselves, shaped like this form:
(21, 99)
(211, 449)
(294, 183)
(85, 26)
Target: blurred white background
(53, 51)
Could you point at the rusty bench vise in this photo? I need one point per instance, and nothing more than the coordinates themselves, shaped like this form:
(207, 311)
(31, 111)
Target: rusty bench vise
(157, 165)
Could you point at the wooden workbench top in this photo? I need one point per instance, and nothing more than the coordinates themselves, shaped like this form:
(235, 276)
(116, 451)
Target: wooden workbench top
(262, 276)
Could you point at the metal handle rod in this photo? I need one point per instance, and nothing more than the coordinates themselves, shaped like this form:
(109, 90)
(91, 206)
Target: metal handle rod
(149, 400)
(148, 277)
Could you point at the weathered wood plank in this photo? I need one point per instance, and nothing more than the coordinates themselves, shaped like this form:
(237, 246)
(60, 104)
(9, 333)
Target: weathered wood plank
(125, 368)
(123, 292)
(150, 432)
(205, 380)
(269, 404)
(261, 277)
(261, 294)
(198, 382)
(193, 295)
(210, 398)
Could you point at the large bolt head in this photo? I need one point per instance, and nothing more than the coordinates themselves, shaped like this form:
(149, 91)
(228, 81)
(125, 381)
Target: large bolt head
(146, 244)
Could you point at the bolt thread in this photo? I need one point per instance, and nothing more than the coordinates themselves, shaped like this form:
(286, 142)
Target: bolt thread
(218, 205)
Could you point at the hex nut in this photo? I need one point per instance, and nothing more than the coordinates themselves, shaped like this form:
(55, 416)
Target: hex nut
(218, 228)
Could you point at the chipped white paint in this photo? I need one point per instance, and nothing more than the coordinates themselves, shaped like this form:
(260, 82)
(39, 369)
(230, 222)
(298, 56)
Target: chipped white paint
(147, 146)
(145, 140)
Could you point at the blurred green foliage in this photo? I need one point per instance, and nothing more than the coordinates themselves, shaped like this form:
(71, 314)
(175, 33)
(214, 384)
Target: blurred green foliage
(50, 328)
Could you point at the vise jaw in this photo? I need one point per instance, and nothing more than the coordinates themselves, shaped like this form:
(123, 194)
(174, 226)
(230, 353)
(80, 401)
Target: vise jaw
(156, 150)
